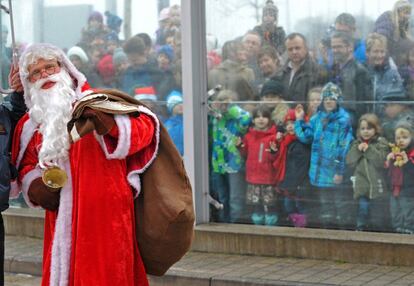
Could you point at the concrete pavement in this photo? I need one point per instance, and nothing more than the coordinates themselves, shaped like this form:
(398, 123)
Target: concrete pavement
(23, 255)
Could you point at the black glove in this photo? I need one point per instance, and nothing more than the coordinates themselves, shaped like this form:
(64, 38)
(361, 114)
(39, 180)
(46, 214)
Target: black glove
(44, 196)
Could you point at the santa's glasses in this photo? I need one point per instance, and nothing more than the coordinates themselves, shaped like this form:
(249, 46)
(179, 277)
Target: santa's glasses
(49, 69)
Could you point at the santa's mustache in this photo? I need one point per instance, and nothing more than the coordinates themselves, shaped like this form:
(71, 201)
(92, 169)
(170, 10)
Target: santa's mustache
(53, 78)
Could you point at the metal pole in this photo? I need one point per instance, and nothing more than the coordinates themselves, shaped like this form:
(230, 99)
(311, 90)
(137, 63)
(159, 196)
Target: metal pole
(194, 63)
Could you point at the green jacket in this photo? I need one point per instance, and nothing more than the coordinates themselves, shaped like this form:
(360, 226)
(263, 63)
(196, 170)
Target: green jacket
(369, 173)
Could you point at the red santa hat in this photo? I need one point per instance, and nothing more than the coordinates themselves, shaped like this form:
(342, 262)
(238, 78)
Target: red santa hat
(47, 51)
(290, 116)
(146, 93)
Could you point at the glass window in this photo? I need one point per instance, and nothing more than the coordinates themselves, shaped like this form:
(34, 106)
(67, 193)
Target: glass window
(310, 113)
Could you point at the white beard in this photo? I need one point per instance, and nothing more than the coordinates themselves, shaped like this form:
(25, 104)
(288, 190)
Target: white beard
(52, 109)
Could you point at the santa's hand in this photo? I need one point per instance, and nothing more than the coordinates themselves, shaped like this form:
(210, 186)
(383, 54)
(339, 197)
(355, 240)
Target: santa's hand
(42, 195)
(103, 122)
(14, 79)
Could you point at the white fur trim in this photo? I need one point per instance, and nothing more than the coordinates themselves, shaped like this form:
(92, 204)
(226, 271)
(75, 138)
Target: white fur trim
(74, 134)
(85, 93)
(62, 239)
(133, 177)
(29, 129)
(27, 181)
(124, 138)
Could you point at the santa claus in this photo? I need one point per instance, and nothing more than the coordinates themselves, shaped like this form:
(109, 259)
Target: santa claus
(89, 224)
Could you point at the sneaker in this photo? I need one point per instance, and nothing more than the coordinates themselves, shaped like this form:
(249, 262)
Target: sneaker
(258, 219)
(271, 219)
(399, 230)
(408, 231)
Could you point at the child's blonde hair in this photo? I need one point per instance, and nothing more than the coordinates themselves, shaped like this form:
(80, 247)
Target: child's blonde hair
(226, 95)
(372, 121)
(316, 89)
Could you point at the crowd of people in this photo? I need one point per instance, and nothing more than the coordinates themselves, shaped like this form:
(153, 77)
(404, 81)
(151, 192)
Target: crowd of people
(318, 137)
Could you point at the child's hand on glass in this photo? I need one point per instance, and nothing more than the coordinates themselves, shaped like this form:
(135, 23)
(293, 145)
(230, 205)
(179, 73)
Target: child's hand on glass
(363, 147)
(299, 112)
(338, 179)
(272, 147)
(279, 136)
(239, 142)
(404, 157)
(390, 156)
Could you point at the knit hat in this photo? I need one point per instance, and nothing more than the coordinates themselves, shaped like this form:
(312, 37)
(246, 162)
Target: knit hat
(174, 98)
(95, 15)
(113, 21)
(78, 51)
(331, 90)
(396, 94)
(290, 115)
(146, 93)
(106, 68)
(270, 9)
(119, 57)
(274, 87)
(164, 14)
(406, 123)
(168, 51)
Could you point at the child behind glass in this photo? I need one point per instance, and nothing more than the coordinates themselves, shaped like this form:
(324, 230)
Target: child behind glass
(400, 162)
(259, 150)
(366, 157)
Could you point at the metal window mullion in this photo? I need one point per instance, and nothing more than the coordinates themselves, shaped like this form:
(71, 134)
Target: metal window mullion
(194, 71)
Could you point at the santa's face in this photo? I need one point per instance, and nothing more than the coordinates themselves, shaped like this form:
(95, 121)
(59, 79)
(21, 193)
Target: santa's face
(43, 69)
(52, 97)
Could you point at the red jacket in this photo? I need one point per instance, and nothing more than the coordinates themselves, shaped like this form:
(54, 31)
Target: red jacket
(259, 160)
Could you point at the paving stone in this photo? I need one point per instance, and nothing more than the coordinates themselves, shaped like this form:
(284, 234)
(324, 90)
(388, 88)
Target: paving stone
(210, 269)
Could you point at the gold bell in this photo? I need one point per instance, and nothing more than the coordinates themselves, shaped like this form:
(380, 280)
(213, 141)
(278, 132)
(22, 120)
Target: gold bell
(54, 178)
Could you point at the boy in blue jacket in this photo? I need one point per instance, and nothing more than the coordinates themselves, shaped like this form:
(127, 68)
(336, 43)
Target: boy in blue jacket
(330, 133)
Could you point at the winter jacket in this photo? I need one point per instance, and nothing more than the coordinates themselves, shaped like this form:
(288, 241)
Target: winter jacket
(308, 76)
(276, 38)
(407, 189)
(297, 167)
(407, 75)
(234, 76)
(330, 135)
(259, 159)
(354, 80)
(175, 128)
(145, 75)
(369, 173)
(8, 119)
(224, 133)
(386, 81)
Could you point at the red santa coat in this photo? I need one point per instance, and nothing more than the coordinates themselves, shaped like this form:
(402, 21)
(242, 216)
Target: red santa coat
(259, 161)
(90, 240)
